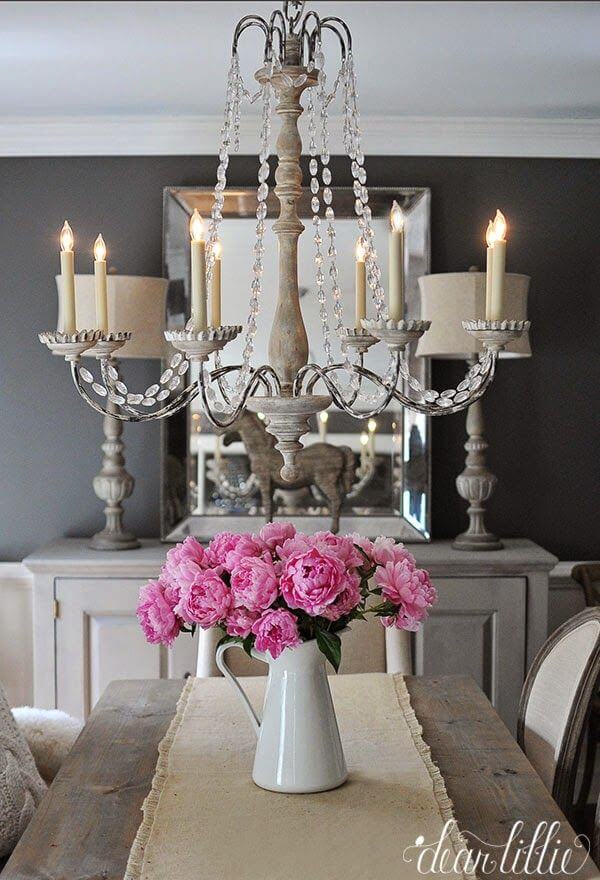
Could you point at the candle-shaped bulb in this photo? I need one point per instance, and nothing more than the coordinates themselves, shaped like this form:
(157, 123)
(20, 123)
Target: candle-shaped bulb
(499, 226)
(364, 438)
(397, 217)
(360, 251)
(66, 237)
(372, 426)
(490, 234)
(217, 247)
(196, 226)
(324, 416)
(99, 249)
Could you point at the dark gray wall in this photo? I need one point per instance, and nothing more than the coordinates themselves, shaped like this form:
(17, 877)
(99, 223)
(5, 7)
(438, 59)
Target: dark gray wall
(542, 414)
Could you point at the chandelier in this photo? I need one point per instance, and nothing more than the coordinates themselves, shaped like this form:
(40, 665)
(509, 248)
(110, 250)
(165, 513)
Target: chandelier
(288, 390)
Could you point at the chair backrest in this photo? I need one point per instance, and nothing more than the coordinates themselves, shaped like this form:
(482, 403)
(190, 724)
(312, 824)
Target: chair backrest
(588, 575)
(555, 702)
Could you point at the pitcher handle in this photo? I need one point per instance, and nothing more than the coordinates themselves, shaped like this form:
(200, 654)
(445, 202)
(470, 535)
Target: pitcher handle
(220, 660)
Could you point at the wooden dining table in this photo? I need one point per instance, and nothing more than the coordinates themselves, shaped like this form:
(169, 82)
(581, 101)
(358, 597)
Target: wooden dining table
(87, 821)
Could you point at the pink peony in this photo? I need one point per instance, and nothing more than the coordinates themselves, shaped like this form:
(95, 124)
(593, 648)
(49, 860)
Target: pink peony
(293, 546)
(276, 630)
(365, 545)
(221, 545)
(274, 534)
(155, 614)
(205, 600)
(410, 589)
(240, 622)
(313, 580)
(347, 600)
(189, 551)
(245, 546)
(254, 584)
(386, 550)
(341, 546)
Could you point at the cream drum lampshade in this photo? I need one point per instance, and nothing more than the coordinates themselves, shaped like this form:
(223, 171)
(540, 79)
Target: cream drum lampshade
(134, 303)
(450, 298)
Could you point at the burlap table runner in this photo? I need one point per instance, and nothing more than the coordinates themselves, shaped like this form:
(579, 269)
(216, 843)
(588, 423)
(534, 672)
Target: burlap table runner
(206, 820)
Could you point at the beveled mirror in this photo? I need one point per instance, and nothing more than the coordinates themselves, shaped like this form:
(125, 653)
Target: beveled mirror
(207, 481)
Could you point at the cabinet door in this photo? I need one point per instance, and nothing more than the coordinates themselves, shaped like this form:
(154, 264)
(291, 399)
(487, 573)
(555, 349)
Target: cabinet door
(478, 629)
(99, 639)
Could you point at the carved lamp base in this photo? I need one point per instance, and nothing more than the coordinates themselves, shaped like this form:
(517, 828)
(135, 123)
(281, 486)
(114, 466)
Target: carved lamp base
(476, 485)
(110, 540)
(113, 485)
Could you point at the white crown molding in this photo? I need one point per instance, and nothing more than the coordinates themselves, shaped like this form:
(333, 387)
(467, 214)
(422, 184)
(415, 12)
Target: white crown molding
(383, 136)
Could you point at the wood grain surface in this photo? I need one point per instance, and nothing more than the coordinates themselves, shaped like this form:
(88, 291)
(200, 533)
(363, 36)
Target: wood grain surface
(84, 827)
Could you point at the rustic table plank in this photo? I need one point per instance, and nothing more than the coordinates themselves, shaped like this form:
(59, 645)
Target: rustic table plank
(487, 776)
(84, 827)
(88, 819)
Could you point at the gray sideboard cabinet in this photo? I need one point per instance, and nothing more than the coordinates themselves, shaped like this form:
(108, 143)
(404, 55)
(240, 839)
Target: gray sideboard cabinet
(491, 619)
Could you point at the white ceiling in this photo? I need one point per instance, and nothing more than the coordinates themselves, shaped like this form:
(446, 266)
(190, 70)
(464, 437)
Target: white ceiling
(434, 61)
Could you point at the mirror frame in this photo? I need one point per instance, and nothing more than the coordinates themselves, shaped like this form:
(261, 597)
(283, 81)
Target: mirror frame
(175, 519)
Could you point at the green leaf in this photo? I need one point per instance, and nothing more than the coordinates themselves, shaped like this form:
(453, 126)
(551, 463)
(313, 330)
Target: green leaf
(330, 644)
(247, 644)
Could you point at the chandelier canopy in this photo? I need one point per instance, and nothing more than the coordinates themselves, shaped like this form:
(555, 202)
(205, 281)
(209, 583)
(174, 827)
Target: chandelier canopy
(288, 390)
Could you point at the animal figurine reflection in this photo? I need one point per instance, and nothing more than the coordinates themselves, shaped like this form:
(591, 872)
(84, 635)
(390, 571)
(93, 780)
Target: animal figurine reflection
(329, 468)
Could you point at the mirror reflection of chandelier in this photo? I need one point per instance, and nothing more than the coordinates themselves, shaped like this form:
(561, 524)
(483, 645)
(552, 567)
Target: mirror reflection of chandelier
(288, 390)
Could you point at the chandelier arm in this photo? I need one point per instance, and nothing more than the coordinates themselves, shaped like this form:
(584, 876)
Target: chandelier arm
(330, 21)
(487, 369)
(356, 391)
(246, 22)
(312, 37)
(183, 399)
(251, 386)
(334, 390)
(220, 372)
(392, 391)
(434, 409)
(277, 26)
(327, 24)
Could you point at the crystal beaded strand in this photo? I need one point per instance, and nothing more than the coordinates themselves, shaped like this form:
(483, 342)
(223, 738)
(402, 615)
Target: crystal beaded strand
(259, 247)
(324, 100)
(233, 97)
(232, 101)
(313, 168)
(361, 193)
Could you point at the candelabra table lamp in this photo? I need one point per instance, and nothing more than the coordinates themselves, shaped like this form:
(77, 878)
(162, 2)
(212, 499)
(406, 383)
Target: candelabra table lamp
(450, 297)
(288, 389)
(137, 302)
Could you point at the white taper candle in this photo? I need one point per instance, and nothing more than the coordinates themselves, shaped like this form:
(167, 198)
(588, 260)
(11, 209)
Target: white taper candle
(396, 263)
(198, 273)
(100, 285)
(67, 283)
(215, 287)
(361, 285)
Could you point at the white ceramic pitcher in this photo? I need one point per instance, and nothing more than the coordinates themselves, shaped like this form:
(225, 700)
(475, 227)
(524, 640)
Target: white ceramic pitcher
(299, 748)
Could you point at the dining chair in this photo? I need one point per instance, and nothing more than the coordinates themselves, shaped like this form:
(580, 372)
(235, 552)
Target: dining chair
(587, 574)
(555, 703)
